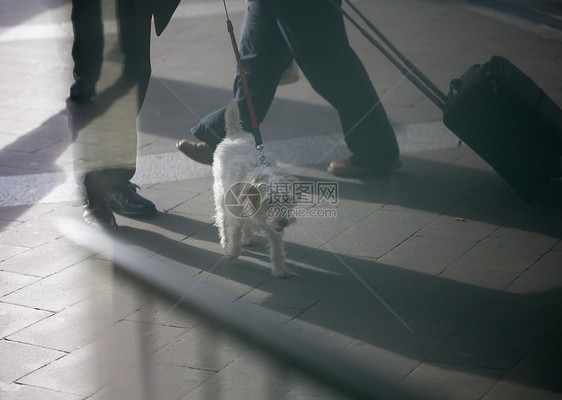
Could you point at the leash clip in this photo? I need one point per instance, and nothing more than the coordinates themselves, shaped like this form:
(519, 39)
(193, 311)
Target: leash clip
(261, 157)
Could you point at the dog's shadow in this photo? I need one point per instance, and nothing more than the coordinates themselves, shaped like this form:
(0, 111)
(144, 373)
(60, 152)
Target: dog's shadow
(403, 314)
(374, 310)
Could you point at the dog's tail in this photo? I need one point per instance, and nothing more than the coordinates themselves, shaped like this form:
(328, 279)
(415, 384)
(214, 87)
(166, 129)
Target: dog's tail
(232, 119)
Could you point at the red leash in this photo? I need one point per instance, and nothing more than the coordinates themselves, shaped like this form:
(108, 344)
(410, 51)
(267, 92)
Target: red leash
(255, 126)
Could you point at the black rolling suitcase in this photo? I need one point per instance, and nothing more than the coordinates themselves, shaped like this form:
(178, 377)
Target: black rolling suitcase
(498, 111)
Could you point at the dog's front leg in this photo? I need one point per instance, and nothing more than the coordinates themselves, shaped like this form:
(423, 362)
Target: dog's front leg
(248, 238)
(279, 269)
(233, 239)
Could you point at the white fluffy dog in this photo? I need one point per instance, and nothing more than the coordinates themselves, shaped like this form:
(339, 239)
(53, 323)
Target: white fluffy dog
(250, 196)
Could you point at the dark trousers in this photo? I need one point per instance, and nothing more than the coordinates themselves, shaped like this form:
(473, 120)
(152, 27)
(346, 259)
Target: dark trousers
(313, 33)
(104, 129)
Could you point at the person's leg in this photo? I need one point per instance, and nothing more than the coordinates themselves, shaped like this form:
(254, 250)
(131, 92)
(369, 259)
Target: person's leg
(134, 21)
(87, 47)
(265, 56)
(316, 34)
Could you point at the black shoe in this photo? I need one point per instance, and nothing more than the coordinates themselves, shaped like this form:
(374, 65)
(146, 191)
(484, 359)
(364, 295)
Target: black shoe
(129, 203)
(99, 214)
(79, 91)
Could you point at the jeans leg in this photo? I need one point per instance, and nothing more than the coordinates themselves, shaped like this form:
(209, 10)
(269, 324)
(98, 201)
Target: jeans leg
(264, 55)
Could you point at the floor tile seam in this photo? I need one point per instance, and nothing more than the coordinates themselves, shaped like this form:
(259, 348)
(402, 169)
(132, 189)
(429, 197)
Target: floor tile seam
(427, 361)
(211, 372)
(170, 364)
(536, 262)
(412, 235)
(7, 337)
(42, 278)
(199, 194)
(9, 222)
(306, 309)
(36, 151)
(192, 235)
(462, 326)
(36, 386)
(18, 273)
(323, 244)
(82, 259)
(528, 351)
(186, 329)
(2, 300)
(67, 306)
(23, 385)
(64, 354)
(447, 212)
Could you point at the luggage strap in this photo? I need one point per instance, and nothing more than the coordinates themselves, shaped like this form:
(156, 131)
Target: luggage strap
(405, 66)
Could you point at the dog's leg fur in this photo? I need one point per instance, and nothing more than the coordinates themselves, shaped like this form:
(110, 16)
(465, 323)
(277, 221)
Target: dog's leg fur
(233, 238)
(276, 252)
(248, 236)
(220, 220)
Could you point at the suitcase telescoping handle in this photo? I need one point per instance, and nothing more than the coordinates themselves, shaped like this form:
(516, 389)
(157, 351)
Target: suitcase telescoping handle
(410, 71)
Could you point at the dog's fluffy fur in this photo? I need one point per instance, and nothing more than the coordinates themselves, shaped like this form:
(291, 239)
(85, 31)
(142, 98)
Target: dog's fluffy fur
(239, 176)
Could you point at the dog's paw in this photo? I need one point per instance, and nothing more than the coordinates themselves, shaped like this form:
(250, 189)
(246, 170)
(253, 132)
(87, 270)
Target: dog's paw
(233, 253)
(281, 272)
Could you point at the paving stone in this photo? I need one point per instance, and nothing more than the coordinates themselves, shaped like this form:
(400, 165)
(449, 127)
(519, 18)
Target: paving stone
(488, 279)
(47, 259)
(541, 283)
(536, 376)
(499, 335)
(25, 213)
(380, 232)
(390, 364)
(338, 322)
(457, 227)
(65, 288)
(128, 336)
(161, 381)
(163, 312)
(509, 250)
(168, 199)
(72, 328)
(12, 281)
(449, 381)
(15, 318)
(308, 389)
(20, 359)
(80, 373)
(412, 254)
(7, 251)
(252, 376)
(15, 391)
(289, 296)
(442, 300)
(199, 205)
(36, 232)
(202, 348)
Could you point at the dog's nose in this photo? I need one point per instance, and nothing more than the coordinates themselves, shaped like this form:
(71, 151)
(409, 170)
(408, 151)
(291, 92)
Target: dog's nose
(283, 222)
